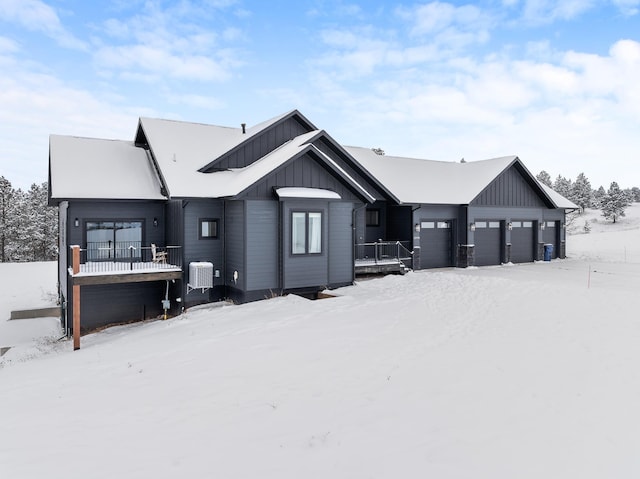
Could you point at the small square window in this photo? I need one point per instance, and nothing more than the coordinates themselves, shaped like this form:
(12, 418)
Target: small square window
(208, 228)
(373, 217)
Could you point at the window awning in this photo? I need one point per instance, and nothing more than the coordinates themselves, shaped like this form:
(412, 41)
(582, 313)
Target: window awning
(295, 192)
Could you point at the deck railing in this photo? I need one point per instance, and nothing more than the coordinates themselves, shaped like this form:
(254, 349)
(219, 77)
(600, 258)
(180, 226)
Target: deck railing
(105, 258)
(381, 252)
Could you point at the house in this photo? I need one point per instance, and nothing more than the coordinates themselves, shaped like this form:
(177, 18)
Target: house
(463, 214)
(190, 213)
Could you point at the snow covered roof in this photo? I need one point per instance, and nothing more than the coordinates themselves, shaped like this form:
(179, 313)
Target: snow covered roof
(558, 199)
(89, 168)
(431, 182)
(292, 192)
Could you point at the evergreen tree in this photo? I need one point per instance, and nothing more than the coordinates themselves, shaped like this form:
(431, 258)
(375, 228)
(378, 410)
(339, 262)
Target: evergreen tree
(597, 196)
(563, 186)
(6, 218)
(614, 203)
(581, 192)
(544, 178)
(635, 192)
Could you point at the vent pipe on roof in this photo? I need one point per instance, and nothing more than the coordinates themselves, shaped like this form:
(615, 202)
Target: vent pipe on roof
(244, 126)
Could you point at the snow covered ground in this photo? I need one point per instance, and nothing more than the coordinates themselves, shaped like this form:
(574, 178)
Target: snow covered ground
(527, 371)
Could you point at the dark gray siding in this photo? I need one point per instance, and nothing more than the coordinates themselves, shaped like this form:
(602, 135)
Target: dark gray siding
(235, 244)
(262, 245)
(304, 172)
(509, 189)
(208, 249)
(106, 210)
(119, 303)
(304, 271)
(341, 266)
(106, 304)
(261, 144)
(327, 148)
(63, 247)
(374, 233)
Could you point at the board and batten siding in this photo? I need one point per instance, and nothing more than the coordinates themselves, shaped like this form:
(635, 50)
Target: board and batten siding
(235, 244)
(261, 144)
(308, 270)
(106, 304)
(304, 172)
(202, 249)
(63, 247)
(262, 255)
(509, 189)
(341, 265)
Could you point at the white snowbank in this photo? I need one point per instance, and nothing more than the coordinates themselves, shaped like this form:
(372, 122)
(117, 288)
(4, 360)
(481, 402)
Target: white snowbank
(524, 371)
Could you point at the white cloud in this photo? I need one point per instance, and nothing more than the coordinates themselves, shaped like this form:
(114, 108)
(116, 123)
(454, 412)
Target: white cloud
(37, 16)
(161, 44)
(627, 7)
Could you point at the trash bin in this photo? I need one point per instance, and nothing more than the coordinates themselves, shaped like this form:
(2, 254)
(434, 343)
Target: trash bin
(548, 252)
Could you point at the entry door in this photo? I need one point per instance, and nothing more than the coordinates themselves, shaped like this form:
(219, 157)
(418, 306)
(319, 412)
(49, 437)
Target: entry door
(550, 236)
(487, 241)
(522, 243)
(435, 243)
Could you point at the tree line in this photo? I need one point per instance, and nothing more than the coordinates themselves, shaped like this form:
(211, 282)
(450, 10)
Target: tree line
(28, 226)
(612, 202)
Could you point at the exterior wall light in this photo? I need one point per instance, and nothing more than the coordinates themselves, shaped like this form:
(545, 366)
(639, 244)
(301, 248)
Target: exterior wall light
(417, 227)
(542, 226)
(472, 226)
(155, 222)
(510, 225)
(76, 222)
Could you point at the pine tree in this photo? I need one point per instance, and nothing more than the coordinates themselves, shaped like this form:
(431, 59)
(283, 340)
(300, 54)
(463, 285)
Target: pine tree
(597, 196)
(581, 192)
(6, 218)
(635, 191)
(544, 178)
(614, 203)
(563, 186)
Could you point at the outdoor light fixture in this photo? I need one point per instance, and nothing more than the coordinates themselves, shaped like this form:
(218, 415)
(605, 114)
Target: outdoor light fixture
(76, 222)
(472, 226)
(155, 222)
(510, 225)
(542, 226)
(417, 227)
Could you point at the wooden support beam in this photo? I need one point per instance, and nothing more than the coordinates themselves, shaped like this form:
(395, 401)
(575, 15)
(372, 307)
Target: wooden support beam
(126, 278)
(76, 298)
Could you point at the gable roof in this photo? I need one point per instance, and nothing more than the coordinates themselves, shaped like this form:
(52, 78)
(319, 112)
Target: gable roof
(90, 168)
(559, 200)
(431, 182)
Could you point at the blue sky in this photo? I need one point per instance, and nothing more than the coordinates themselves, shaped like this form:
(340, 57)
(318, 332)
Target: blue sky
(555, 82)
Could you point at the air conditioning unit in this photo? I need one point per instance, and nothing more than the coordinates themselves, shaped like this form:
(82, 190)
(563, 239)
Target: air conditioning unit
(200, 276)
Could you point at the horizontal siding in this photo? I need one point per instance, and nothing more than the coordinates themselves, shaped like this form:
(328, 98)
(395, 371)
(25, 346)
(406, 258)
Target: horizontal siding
(101, 305)
(302, 271)
(262, 245)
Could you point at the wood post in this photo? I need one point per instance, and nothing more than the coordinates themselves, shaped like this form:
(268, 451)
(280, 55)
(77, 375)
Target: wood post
(76, 298)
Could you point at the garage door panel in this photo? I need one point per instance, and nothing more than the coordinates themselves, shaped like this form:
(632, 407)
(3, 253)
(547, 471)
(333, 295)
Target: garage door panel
(550, 236)
(522, 242)
(487, 243)
(435, 243)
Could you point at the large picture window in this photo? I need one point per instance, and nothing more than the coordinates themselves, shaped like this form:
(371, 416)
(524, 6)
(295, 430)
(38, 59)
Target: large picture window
(112, 240)
(306, 232)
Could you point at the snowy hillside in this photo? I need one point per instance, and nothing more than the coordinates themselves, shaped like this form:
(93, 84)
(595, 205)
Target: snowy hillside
(526, 371)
